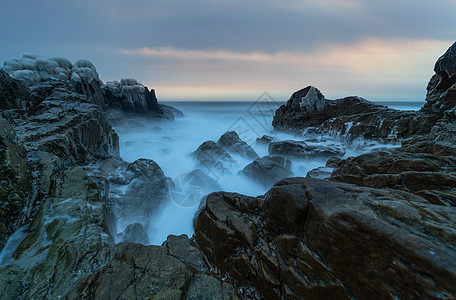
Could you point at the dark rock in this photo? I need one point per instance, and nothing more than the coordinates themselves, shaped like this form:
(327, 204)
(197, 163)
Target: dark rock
(268, 170)
(312, 239)
(132, 97)
(299, 149)
(231, 142)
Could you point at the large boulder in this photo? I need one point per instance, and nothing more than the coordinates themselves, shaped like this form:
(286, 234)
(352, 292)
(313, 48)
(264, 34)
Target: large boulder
(313, 239)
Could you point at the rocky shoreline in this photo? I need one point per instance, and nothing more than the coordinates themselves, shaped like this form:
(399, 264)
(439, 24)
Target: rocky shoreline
(382, 226)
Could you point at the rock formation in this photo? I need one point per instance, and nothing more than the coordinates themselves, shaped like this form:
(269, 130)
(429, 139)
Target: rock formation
(313, 239)
(350, 117)
(128, 95)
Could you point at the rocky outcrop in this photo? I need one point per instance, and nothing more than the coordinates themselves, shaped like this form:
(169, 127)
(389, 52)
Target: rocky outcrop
(231, 142)
(313, 239)
(268, 170)
(133, 97)
(350, 117)
(128, 95)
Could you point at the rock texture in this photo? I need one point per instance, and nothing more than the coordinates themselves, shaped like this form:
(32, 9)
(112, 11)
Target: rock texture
(213, 158)
(313, 239)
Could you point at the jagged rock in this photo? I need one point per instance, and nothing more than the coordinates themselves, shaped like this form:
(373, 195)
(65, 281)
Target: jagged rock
(133, 97)
(299, 149)
(312, 239)
(213, 158)
(441, 90)
(164, 275)
(333, 161)
(231, 142)
(134, 233)
(268, 170)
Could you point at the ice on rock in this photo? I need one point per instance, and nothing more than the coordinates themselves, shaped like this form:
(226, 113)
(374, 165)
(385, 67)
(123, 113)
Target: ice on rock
(32, 69)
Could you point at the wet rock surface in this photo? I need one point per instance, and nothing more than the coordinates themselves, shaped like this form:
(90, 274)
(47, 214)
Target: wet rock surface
(309, 238)
(212, 156)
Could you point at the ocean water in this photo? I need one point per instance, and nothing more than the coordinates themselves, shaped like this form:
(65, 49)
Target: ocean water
(170, 143)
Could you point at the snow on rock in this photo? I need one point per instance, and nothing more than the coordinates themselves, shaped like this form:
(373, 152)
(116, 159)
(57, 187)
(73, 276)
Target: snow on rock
(31, 69)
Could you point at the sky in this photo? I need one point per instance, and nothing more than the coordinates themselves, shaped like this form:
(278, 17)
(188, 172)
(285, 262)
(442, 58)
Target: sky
(239, 49)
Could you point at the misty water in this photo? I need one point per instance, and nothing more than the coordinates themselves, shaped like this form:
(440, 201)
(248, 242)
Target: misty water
(170, 143)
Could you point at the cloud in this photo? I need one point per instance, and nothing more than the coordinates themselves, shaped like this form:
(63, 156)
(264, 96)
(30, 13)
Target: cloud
(367, 68)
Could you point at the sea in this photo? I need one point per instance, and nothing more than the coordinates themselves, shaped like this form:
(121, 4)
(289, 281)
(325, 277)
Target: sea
(170, 143)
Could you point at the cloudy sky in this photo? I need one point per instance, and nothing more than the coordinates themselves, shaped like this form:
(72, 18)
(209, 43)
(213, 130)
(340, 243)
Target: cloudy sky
(238, 49)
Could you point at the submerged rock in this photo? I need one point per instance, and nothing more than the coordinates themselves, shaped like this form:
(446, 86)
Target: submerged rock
(268, 170)
(265, 140)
